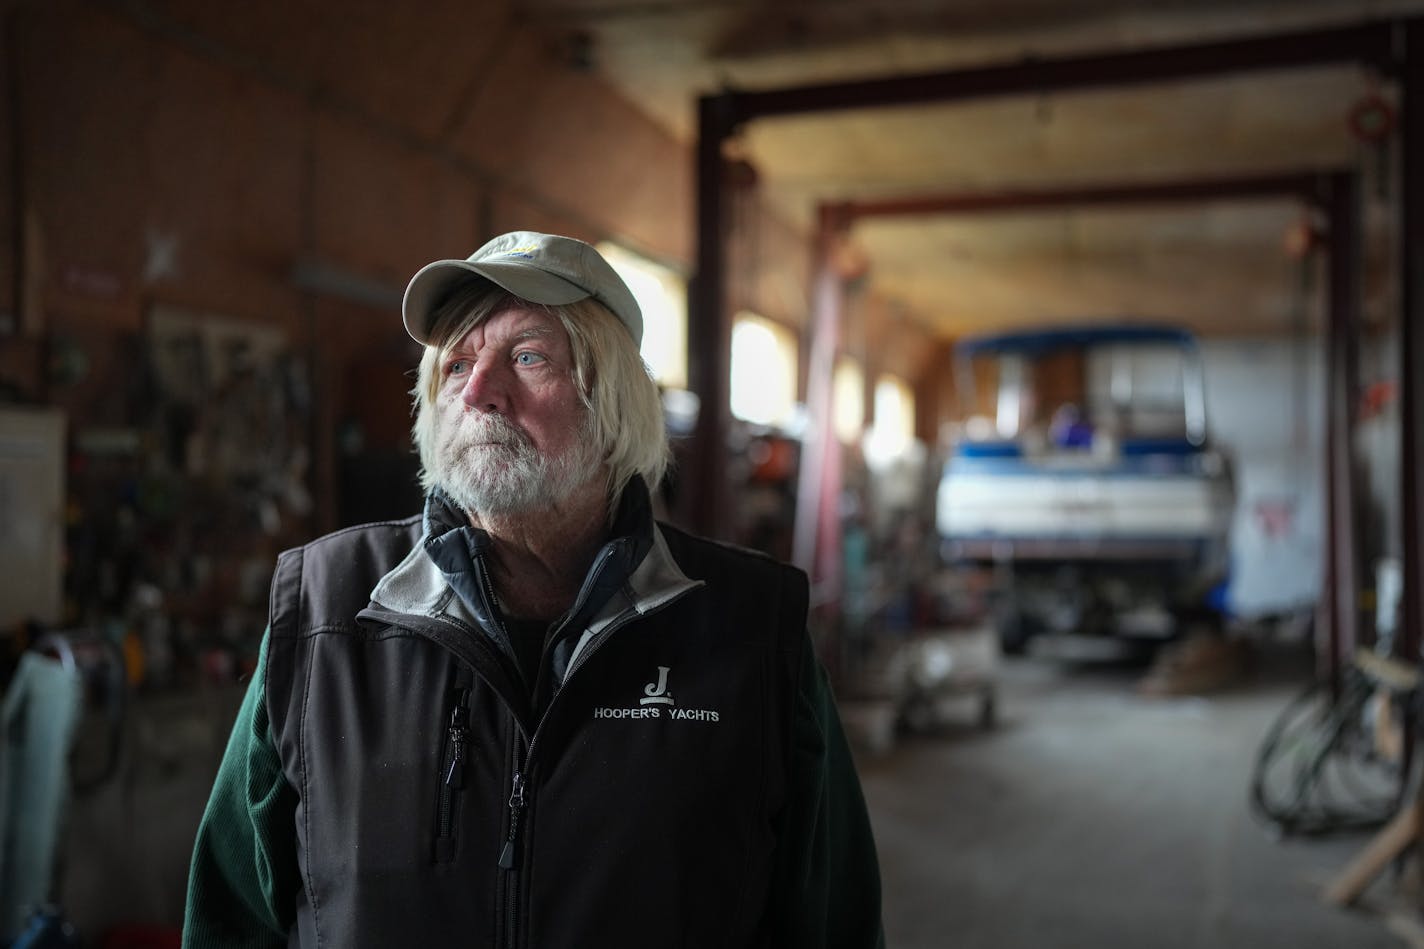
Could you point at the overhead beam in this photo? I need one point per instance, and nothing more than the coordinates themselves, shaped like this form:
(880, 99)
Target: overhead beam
(1372, 44)
(1314, 188)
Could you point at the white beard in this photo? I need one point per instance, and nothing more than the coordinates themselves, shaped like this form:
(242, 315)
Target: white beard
(488, 467)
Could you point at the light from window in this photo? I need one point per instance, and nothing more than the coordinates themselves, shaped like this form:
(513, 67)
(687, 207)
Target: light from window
(892, 431)
(662, 296)
(848, 400)
(763, 387)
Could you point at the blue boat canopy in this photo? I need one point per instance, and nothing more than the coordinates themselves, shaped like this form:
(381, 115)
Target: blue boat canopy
(1037, 342)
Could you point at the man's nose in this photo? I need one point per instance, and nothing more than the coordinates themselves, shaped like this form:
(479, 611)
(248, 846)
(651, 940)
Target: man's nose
(486, 389)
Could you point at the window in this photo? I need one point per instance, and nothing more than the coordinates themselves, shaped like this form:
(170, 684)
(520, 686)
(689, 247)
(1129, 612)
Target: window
(662, 296)
(763, 370)
(1140, 390)
(892, 431)
(848, 400)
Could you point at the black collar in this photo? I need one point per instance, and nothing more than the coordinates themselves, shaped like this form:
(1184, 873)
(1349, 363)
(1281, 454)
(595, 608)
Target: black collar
(458, 549)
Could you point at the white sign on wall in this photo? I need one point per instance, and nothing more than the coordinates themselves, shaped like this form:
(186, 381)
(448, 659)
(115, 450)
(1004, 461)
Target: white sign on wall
(31, 515)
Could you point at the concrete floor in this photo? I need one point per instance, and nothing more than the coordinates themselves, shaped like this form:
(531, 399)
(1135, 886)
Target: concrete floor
(1092, 816)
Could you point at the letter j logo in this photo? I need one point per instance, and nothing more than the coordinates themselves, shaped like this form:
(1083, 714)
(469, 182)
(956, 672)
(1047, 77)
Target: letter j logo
(656, 692)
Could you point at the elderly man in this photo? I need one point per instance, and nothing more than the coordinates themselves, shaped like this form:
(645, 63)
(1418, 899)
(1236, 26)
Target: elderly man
(534, 717)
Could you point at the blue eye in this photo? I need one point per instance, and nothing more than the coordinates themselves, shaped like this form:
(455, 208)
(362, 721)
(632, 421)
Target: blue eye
(527, 358)
(455, 367)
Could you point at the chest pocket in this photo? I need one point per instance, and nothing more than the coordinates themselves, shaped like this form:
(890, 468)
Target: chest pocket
(386, 779)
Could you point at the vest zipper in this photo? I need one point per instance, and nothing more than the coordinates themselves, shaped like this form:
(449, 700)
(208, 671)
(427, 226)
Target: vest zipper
(518, 791)
(508, 859)
(452, 776)
(509, 853)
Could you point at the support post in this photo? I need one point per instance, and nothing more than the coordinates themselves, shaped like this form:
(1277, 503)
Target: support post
(816, 540)
(1411, 343)
(703, 498)
(1341, 592)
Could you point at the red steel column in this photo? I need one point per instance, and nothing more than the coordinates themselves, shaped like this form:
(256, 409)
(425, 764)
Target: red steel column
(703, 499)
(1340, 607)
(817, 531)
(1411, 343)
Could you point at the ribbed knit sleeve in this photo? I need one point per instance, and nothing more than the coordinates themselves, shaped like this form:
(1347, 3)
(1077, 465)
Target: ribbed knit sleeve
(826, 892)
(244, 875)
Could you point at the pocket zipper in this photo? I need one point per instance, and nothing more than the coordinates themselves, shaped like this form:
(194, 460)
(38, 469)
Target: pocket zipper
(452, 776)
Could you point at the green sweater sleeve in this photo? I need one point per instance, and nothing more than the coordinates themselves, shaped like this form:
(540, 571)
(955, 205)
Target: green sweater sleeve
(244, 871)
(826, 892)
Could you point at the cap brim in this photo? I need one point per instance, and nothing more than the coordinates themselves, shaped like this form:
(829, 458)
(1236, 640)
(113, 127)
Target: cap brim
(433, 284)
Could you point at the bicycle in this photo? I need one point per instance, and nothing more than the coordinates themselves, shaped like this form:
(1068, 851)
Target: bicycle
(1334, 762)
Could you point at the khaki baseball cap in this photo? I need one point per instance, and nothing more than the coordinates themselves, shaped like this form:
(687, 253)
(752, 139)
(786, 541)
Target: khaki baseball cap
(540, 268)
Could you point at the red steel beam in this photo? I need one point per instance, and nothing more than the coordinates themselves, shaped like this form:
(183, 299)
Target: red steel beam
(1314, 188)
(1369, 43)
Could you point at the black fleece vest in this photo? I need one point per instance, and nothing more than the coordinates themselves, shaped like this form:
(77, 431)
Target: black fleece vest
(647, 802)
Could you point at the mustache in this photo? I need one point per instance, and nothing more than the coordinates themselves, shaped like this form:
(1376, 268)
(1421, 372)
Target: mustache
(489, 429)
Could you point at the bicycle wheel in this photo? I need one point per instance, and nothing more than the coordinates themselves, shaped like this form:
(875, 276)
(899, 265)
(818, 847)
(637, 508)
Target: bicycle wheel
(1318, 769)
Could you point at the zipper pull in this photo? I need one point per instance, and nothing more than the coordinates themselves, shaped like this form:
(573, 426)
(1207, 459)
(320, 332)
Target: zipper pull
(516, 805)
(455, 774)
(459, 736)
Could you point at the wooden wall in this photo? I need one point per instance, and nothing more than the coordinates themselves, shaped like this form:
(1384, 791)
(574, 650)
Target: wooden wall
(213, 156)
(287, 167)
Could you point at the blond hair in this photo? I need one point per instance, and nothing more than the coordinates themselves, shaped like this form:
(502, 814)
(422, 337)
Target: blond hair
(624, 406)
